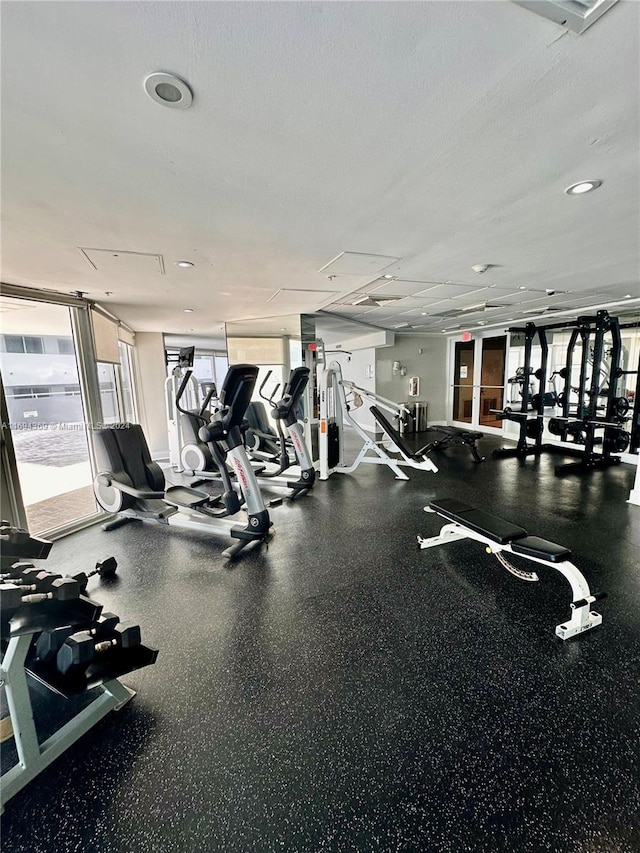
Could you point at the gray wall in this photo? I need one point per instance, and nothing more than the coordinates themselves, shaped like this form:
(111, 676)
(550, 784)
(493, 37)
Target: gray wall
(430, 366)
(150, 375)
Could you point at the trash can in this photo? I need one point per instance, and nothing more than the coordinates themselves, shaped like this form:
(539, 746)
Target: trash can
(419, 415)
(406, 423)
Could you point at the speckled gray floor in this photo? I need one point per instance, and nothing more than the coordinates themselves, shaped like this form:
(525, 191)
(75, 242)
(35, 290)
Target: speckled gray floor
(344, 691)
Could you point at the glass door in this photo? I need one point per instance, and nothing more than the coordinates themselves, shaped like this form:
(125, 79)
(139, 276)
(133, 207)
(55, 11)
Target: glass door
(478, 382)
(491, 379)
(46, 413)
(463, 373)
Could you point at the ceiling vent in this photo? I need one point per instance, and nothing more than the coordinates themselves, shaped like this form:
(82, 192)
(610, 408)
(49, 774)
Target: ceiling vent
(482, 306)
(443, 315)
(358, 263)
(123, 261)
(574, 15)
(368, 301)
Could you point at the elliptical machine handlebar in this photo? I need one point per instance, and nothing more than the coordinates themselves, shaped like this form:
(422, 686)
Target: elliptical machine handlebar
(211, 393)
(179, 394)
(269, 399)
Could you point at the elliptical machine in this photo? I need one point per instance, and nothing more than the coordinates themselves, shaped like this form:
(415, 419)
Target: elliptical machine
(180, 426)
(197, 457)
(133, 486)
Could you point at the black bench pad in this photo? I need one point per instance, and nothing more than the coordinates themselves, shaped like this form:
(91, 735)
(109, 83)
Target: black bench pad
(491, 526)
(454, 432)
(534, 546)
(393, 434)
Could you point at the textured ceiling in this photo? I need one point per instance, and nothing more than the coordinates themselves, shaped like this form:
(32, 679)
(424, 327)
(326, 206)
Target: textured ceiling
(439, 134)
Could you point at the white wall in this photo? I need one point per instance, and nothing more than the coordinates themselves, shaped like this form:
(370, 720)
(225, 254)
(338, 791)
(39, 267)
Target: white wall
(424, 357)
(150, 374)
(359, 368)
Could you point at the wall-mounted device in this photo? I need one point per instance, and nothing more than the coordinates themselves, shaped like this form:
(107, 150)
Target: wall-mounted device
(414, 386)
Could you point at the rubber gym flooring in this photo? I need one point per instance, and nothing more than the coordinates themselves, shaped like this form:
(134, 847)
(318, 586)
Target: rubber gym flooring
(345, 691)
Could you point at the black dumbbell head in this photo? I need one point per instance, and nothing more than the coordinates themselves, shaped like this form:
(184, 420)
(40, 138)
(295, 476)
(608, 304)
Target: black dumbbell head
(105, 624)
(10, 597)
(49, 643)
(78, 649)
(128, 636)
(65, 589)
(107, 568)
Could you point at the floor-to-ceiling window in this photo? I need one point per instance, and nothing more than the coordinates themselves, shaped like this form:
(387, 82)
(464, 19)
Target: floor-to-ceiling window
(47, 413)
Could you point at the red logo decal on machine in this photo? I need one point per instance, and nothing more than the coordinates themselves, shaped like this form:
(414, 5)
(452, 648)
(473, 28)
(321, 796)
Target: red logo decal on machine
(241, 473)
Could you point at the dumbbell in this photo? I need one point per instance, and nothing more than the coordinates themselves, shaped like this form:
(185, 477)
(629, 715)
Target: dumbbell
(81, 648)
(49, 643)
(12, 597)
(17, 542)
(17, 570)
(106, 569)
(32, 580)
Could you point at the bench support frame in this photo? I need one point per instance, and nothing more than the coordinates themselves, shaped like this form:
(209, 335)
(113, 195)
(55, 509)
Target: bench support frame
(582, 617)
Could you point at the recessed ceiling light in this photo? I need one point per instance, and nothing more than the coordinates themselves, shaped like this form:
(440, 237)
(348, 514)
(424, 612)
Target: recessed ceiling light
(188, 310)
(582, 187)
(184, 264)
(627, 296)
(388, 276)
(482, 322)
(522, 287)
(423, 313)
(168, 90)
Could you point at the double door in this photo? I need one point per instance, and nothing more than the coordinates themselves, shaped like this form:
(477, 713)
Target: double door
(477, 382)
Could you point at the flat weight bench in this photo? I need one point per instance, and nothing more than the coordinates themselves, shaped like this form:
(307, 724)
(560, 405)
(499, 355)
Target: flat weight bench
(465, 522)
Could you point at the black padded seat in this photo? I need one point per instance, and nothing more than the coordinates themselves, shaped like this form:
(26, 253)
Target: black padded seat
(494, 528)
(534, 546)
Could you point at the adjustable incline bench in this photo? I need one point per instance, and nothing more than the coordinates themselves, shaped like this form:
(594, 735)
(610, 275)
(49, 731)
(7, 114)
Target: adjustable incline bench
(465, 522)
(454, 436)
(414, 459)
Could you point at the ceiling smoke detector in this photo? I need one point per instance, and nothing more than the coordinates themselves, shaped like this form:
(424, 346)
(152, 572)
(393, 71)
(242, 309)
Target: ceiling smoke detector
(168, 90)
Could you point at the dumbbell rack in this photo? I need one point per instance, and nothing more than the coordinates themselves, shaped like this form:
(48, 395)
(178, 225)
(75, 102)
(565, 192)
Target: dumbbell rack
(18, 634)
